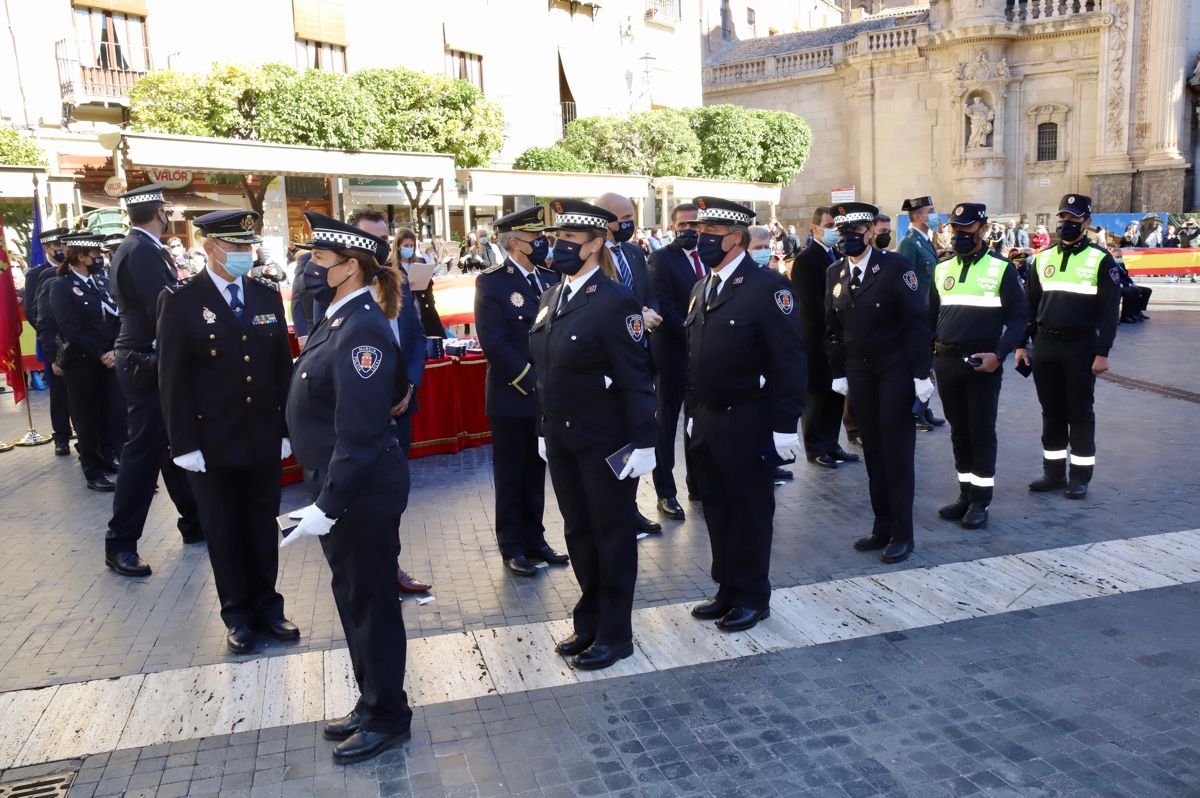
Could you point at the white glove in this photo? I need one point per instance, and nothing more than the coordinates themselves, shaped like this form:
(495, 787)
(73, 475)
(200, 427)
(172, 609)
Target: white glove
(787, 445)
(607, 382)
(642, 461)
(542, 449)
(192, 461)
(840, 385)
(924, 388)
(285, 449)
(313, 522)
(689, 426)
(299, 512)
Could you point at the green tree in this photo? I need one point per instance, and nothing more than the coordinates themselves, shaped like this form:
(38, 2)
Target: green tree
(603, 144)
(170, 102)
(317, 109)
(665, 143)
(786, 142)
(554, 158)
(731, 141)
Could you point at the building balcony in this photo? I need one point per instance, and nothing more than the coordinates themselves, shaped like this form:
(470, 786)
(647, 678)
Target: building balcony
(1041, 10)
(95, 83)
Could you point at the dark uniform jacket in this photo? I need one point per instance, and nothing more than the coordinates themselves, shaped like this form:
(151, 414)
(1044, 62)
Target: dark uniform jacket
(33, 283)
(1002, 328)
(643, 289)
(85, 316)
(597, 334)
(345, 382)
(747, 345)
(140, 270)
(1065, 311)
(47, 326)
(921, 256)
(808, 279)
(505, 305)
(885, 318)
(673, 276)
(223, 382)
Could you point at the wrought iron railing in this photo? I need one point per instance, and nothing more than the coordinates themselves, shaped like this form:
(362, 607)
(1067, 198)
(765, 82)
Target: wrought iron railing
(80, 83)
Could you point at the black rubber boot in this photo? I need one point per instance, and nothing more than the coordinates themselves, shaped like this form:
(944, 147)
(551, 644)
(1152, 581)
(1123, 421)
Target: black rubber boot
(956, 509)
(977, 512)
(1054, 477)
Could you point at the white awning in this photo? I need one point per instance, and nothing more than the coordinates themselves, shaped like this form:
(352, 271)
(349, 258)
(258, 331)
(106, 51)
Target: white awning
(17, 181)
(576, 185)
(253, 157)
(687, 187)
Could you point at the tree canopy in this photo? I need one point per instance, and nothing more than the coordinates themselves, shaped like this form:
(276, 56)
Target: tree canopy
(555, 158)
(17, 149)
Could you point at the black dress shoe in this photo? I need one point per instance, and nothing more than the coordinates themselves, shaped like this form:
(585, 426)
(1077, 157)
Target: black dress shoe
(575, 644)
(671, 508)
(127, 563)
(711, 610)
(102, 484)
(897, 551)
(62, 448)
(598, 657)
(922, 424)
(872, 542)
(343, 727)
(282, 629)
(842, 456)
(365, 744)
(739, 619)
(240, 640)
(975, 517)
(822, 460)
(521, 565)
(547, 554)
(1076, 490)
(644, 524)
(783, 474)
(932, 419)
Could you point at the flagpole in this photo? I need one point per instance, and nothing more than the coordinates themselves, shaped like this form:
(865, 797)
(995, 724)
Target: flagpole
(31, 437)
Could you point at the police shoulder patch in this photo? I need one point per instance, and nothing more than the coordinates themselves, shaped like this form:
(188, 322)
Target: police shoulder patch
(635, 326)
(366, 360)
(910, 279)
(1115, 274)
(785, 301)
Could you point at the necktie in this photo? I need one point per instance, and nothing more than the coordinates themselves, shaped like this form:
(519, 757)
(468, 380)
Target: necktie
(235, 302)
(713, 285)
(855, 277)
(697, 265)
(533, 283)
(91, 285)
(623, 267)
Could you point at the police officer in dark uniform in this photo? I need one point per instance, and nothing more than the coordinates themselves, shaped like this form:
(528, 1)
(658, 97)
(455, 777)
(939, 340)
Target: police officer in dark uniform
(224, 369)
(60, 408)
(85, 317)
(746, 366)
(597, 401)
(1075, 296)
(349, 376)
(506, 300)
(917, 247)
(140, 270)
(878, 342)
(979, 312)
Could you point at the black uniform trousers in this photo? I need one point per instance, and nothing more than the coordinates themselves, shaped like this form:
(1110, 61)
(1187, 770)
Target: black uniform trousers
(881, 397)
(822, 420)
(970, 399)
(520, 477)
(60, 405)
(144, 455)
(598, 513)
(1066, 388)
(737, 491)
(361, 552)
(99, 411)
(670, 388)
(237, 511)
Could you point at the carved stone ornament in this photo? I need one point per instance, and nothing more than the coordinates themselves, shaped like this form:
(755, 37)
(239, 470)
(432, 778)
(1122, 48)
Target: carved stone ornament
(1114, 123)
(980, 116)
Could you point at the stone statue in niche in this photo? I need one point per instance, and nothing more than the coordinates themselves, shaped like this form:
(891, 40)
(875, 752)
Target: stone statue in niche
(1002, 68)
(980, 116)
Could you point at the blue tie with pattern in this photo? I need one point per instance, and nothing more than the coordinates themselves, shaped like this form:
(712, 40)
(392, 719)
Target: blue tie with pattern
(623, 267)
(235, 302)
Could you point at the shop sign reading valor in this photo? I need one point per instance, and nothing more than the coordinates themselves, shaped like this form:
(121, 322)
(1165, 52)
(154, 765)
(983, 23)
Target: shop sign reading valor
(170, 178)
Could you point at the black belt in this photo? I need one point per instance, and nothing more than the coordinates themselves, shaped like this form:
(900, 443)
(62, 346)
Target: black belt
(968, 348)
(1071, 334)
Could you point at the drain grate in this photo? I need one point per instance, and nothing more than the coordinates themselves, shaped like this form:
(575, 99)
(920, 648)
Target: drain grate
(1152, 387)
(52, 786)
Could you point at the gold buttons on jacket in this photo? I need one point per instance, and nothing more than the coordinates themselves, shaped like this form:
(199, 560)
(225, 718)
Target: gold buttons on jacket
(212, 336)
(199, 416)
(246, 358)
(212, 352)
(249, 378)
(247, 400)
(244, 338)
(304, 375)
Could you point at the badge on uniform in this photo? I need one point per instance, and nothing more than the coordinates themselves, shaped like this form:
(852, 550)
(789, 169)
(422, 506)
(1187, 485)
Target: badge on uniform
(837, 290)
(541, 314)
(508, 269)
(634, 324)
(209, 316)
(1115, 274)
(875, 269)
(264, 318)
(910, 279)
(785, 301)
(692, 304)
(1048, 272)
(591, 289)
(336, 323)
(517, 299)
(948, 283)
(76, 290)
(366, 360)
(738, 280)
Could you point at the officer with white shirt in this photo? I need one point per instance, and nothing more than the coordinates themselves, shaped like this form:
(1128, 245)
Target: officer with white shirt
(224, 369)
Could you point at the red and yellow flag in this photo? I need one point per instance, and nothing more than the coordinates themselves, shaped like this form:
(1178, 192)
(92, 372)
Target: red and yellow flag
(10, 325)
(1161, 262)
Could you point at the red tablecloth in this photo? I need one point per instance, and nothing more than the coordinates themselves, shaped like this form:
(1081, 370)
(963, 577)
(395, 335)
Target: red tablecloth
(450, 414)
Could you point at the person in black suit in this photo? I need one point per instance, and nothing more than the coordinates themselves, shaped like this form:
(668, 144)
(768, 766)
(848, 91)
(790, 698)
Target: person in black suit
(140, 270)
(822, 405)
(674, 271)
(879, 346)
(302, 301)
(506, 297)
(630, 262)
(224, 368)
(85, 318)
(746, 367)
(597, 406)
(60, 407)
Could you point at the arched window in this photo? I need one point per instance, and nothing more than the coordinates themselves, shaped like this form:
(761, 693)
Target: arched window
(1047, 141)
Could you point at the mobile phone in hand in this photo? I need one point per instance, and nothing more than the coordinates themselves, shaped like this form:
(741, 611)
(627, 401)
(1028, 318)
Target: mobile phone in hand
(973, 361)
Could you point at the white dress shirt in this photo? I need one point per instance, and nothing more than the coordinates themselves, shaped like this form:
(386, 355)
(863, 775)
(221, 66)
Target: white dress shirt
(222, 287)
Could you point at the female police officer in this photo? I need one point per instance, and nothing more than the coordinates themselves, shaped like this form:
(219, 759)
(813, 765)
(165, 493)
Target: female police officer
(347, 378)
(87, 321)
(597, 399)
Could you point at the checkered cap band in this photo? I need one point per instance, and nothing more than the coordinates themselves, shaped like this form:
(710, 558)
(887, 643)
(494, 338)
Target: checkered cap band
(84, 243)
(138, 199)
(581, 219)
(723, 216)
(854, 218)
(343, 240)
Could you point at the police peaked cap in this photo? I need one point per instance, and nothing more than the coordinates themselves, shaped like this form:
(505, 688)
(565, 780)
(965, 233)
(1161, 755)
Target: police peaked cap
(1076, 205)
(236, 227)
(851, 214)
(714, 210)
(917, 203)
(969, 213)
(114, 240)
(83, 239)
(528, 220)
(52, 235)
(150, 193)
(573, 214)
(329, 233)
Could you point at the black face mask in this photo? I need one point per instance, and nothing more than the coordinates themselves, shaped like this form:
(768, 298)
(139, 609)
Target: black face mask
(624, 232)
(316, 283)
(537, 250)
(853, 244)
(567, 259)
(1069, 232)
(963, 243)
(687, 239)
(882, 240)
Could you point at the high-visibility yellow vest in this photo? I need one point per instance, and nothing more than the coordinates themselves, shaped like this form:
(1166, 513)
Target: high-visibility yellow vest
(1079, 277)
(980, 289)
